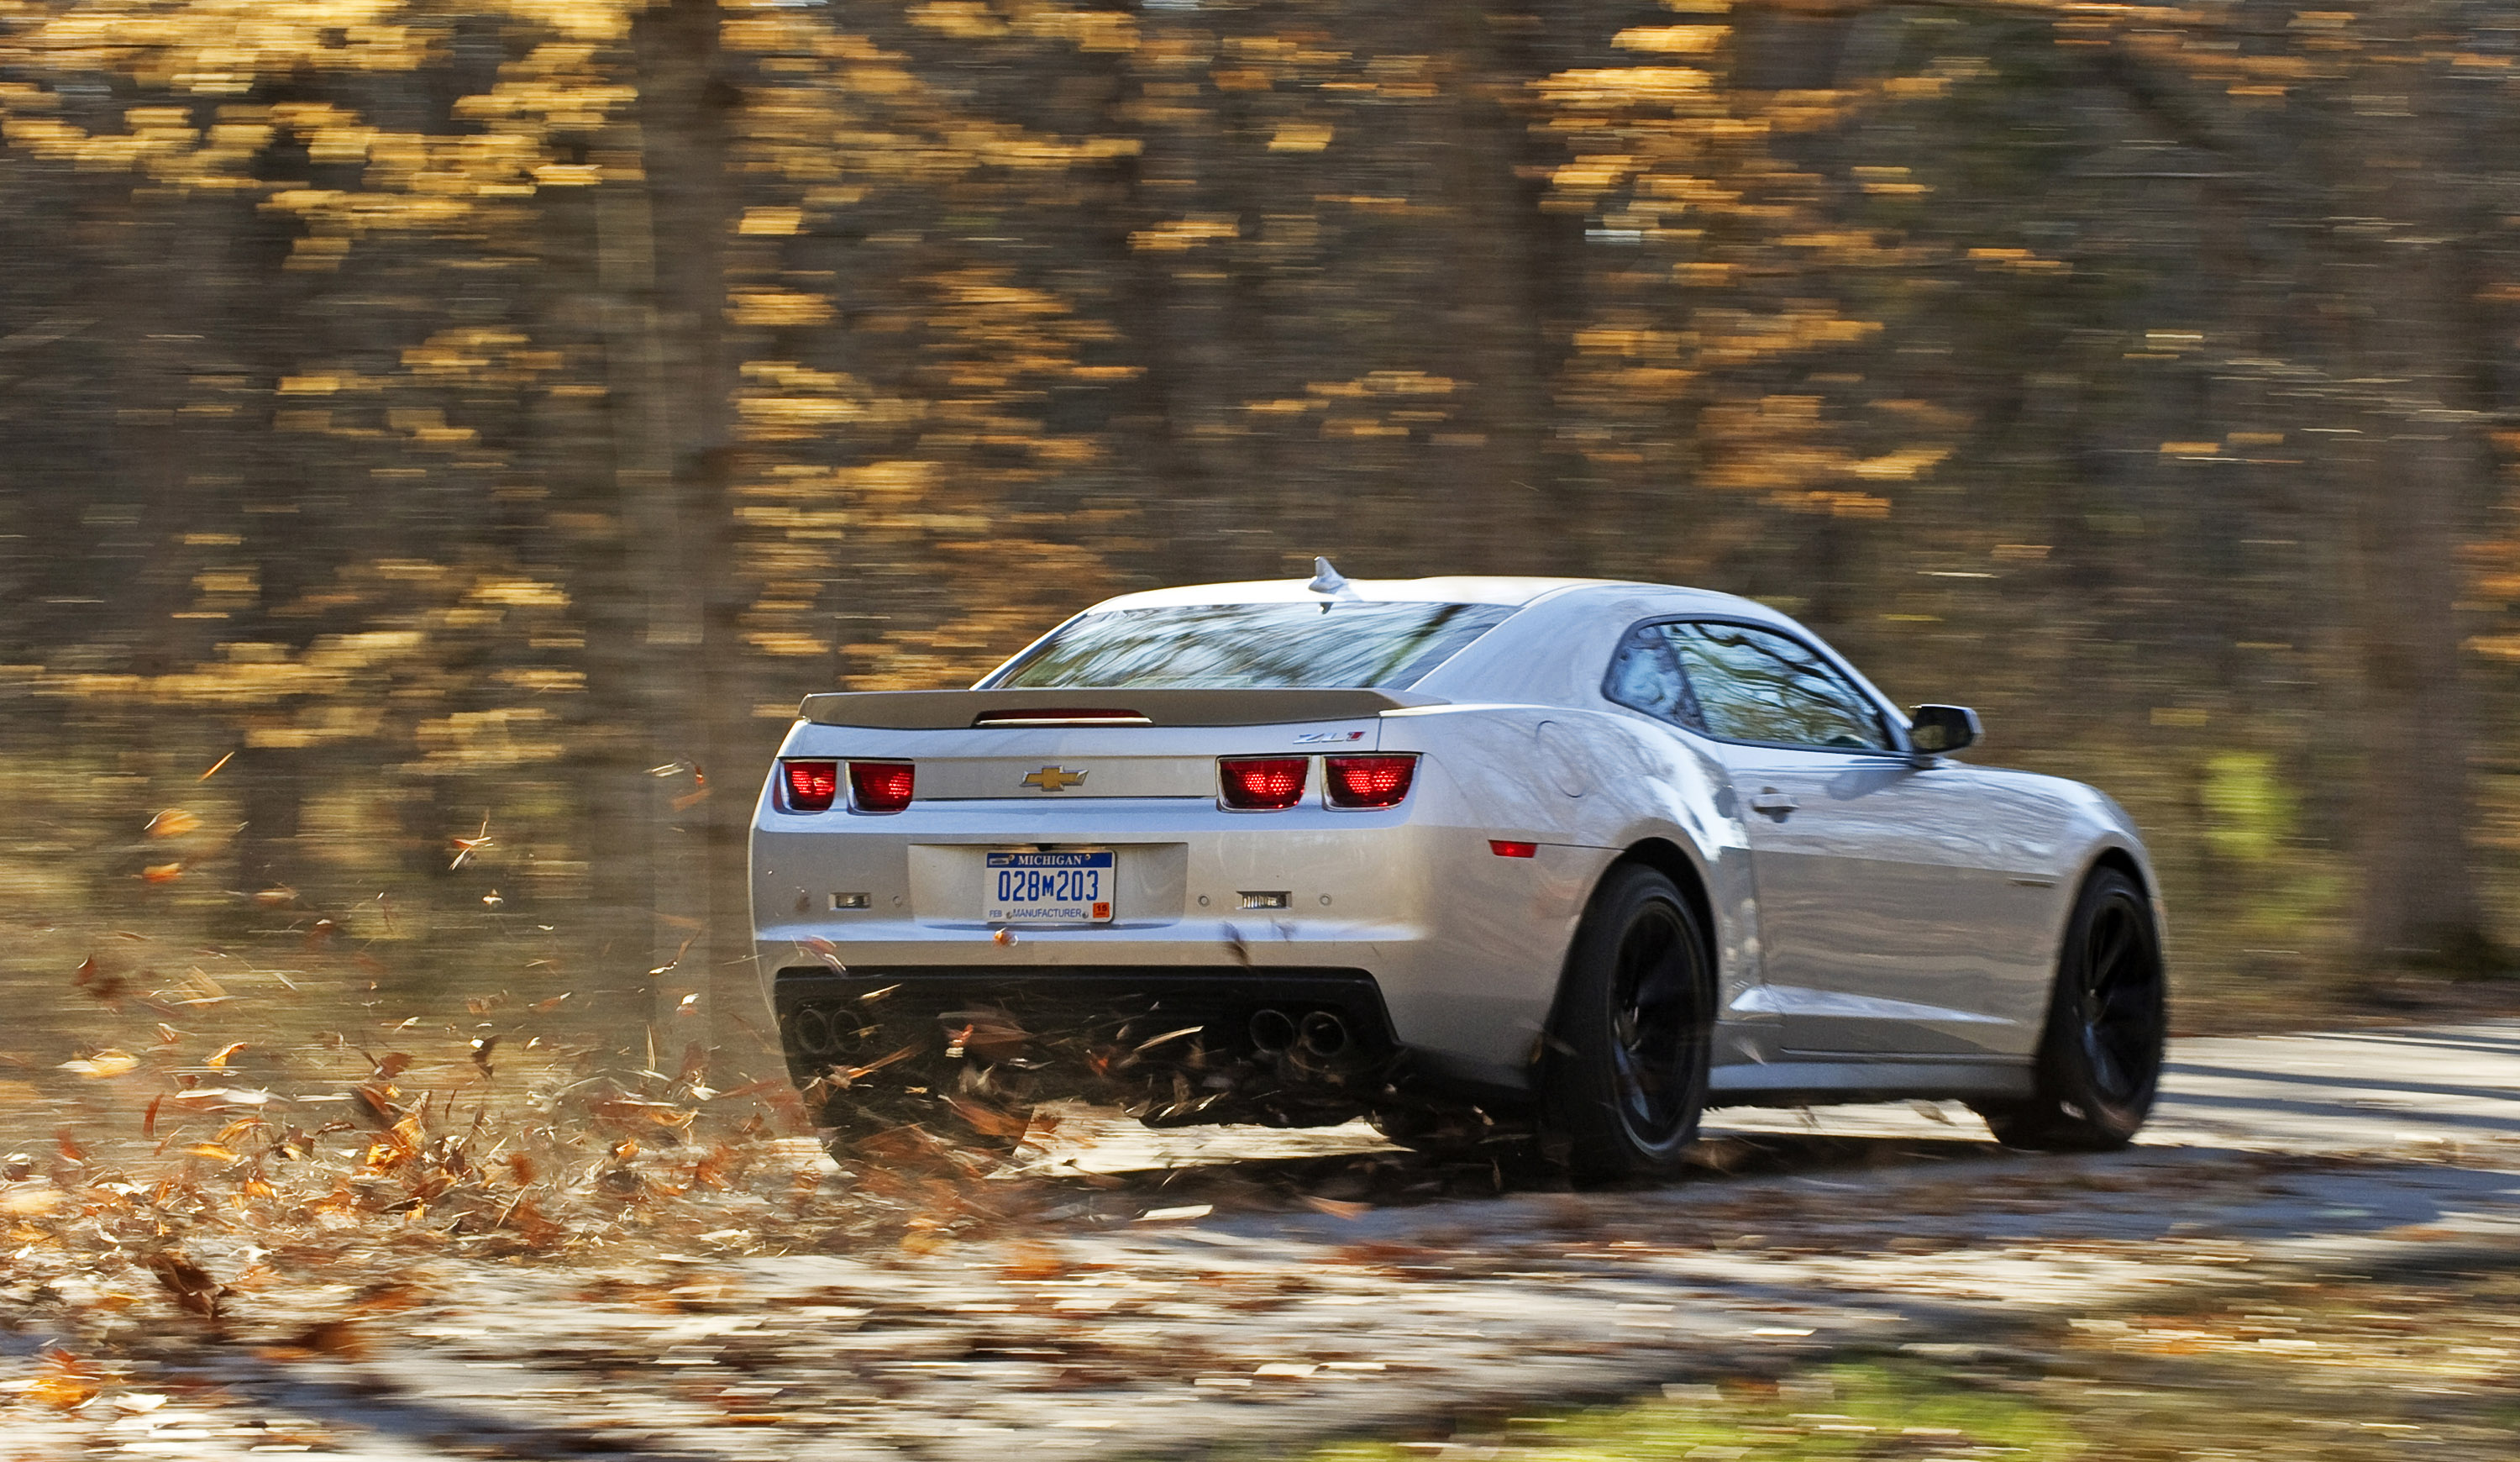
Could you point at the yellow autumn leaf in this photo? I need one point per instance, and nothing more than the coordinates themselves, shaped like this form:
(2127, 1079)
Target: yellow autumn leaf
(105, 1063)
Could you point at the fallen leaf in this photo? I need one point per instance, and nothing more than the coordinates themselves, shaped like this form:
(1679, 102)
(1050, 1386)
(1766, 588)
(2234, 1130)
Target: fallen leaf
(342, 1338)
(377, 1101)
(162, 873)
(174, 822)
(66, 1386)
(989, 1120)
(105, 989)
(465, 848)
(843, 1079)
(31, 1201)
(107, 1063)
(190, 1283)
(219, 1058)
(1335, 1209)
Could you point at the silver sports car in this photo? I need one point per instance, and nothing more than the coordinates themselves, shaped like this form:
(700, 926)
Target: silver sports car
(1568, 858)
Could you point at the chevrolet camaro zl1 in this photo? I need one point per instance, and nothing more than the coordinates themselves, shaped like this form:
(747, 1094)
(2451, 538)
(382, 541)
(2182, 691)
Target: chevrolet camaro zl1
(1571, 859)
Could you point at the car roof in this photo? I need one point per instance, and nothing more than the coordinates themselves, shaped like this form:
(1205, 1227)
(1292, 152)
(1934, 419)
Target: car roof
(1506, 589)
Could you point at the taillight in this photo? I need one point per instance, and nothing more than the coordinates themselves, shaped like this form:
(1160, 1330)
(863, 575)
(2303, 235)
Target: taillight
(1368, 781)
(1258, 783)
(810, 786)
(880, 786)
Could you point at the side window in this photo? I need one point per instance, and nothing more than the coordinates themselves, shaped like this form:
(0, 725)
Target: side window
(1644, 676)
(1759, 685)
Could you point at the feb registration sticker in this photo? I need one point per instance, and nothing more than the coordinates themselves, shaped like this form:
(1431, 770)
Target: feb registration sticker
(1048, 888)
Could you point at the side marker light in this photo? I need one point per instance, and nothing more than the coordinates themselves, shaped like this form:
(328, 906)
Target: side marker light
(1506, 850)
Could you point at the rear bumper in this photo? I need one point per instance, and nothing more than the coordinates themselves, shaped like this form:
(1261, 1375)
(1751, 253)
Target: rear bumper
(1461, 947)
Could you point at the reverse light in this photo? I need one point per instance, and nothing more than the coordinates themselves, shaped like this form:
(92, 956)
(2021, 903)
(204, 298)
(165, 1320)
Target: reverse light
(1368, 781)
(809, 786)
(880, 786)
(1507, 848)
(1255, 784)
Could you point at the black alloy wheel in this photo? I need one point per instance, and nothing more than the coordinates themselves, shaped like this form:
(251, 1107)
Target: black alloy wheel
(2100, 1056)
(1623, 1074)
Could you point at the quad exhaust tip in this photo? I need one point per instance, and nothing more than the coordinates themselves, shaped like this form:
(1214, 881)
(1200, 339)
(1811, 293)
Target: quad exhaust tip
(1317, 1032)
(1272, 1031)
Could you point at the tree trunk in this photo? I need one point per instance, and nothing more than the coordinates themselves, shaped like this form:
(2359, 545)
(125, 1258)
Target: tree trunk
(2415, 464)
(673, 764)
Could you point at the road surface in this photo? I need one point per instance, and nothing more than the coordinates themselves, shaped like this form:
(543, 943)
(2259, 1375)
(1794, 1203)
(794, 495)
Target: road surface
(1166, 1293)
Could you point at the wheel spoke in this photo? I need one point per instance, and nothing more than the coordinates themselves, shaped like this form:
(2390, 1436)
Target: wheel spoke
(1652, 1024)
(2119, 1011)
(2106, 957)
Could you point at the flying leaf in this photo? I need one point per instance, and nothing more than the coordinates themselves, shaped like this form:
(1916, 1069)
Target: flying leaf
(221, 1057)
(105, 1063)
(988, 1121)
(162, 873)
(190, 1283)
(174, 822)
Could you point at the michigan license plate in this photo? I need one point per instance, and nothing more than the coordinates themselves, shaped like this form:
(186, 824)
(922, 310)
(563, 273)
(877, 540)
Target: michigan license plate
(1048, 888)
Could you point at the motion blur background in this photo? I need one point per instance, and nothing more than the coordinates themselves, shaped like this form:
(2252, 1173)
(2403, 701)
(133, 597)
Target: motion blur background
(443, 440)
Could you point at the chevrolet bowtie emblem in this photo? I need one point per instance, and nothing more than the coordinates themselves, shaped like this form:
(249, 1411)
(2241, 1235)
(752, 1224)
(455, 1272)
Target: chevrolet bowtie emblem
(1054, 779)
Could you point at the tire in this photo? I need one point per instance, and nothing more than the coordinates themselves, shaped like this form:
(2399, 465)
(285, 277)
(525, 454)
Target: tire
(1623, 1072)
(2100, 1053)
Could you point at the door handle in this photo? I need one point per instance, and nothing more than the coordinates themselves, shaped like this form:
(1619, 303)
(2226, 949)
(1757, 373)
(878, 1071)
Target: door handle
(1770, 800)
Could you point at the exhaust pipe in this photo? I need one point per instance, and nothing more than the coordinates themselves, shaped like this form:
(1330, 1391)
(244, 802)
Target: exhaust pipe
(1324, 1034)
(813, 1031)
(1272, 1031)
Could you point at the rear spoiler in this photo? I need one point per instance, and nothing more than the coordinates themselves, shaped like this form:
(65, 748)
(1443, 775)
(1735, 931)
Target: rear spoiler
(960, 710)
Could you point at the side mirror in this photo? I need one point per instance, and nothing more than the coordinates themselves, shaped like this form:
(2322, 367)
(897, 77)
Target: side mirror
(1935, 730)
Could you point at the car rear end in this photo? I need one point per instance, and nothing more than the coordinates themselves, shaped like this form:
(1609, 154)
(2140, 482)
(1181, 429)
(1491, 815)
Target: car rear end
(1206, 902)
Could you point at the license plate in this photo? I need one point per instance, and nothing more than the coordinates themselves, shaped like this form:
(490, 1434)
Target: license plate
(1048, 888)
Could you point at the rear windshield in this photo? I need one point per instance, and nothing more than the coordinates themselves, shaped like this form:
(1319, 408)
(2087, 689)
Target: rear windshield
(1252, 646)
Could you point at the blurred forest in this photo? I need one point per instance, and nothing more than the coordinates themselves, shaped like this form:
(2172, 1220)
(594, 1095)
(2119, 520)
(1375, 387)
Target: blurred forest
(444, 439)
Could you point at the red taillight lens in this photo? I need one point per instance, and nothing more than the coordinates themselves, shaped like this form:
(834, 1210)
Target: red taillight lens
(1262, 782)
(1507, 848)
(810, 786)
(1368, 781)
(880, 786)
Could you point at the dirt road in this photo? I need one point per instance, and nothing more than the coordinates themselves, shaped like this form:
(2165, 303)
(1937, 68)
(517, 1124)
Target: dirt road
(1251, 1290)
